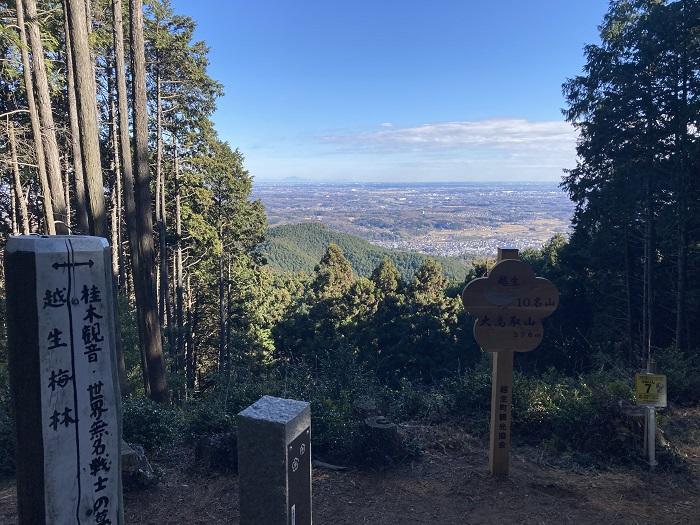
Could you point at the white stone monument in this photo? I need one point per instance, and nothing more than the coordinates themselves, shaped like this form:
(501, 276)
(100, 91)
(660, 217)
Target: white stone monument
(63, 374)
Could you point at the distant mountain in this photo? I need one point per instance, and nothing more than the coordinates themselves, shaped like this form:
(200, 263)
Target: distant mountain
(299, 247)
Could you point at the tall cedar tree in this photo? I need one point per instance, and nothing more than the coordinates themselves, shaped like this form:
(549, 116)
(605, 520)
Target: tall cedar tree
(85, 96)
(152, 342)
(635, 183)
(47, 125)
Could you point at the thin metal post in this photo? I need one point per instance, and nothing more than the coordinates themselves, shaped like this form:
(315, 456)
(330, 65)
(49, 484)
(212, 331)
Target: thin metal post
(651, 436)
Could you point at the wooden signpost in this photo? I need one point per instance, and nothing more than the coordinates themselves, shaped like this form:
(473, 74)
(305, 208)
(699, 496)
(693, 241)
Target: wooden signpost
(63, 374)
(509, 305)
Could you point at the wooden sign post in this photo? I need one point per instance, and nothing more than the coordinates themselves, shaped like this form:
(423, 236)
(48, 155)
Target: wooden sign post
(509, 305)
(63, 375)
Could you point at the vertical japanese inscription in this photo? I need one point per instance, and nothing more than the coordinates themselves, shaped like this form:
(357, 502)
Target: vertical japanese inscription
(79, 397)
(503, 415)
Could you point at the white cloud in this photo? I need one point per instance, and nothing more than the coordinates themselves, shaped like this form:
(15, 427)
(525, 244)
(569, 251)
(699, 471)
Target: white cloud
(508, 134)
(492, 149)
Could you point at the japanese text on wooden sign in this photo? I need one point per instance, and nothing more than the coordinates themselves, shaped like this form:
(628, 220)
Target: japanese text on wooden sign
(509, 305)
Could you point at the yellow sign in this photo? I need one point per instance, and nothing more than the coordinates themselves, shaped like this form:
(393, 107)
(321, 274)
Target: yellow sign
(650, 390)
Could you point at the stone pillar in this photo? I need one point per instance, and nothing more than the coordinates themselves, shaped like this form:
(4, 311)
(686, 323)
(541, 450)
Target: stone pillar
(64, 382)
(274, 462)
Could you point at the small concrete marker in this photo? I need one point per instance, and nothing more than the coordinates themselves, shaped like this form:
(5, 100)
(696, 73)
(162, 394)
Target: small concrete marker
(63, 376)
(274, 462)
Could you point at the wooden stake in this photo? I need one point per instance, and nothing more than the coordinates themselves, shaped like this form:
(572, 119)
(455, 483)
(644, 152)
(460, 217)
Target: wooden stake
(501, 399)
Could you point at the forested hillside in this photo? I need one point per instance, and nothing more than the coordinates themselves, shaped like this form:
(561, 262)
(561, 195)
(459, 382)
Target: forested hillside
(299, 247)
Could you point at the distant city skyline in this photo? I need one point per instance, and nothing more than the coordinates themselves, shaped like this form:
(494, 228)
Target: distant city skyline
(397, 91)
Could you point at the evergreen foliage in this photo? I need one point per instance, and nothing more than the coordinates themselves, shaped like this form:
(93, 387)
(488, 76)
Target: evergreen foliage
(633, 256)
(298, 248)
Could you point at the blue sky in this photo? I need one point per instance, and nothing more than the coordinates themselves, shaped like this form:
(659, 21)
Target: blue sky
(397, 90)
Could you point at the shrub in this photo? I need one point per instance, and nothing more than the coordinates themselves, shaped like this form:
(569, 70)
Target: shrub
(682, 372)
(205, 418)
(416, 401)
(471, 392)
(130, 345)
(575, 415)
(153, 426)
(333, 427)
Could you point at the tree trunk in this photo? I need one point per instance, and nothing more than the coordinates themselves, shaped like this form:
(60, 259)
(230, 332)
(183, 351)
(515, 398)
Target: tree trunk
(628, 300)
(229, 312)
(179, 284)
(681, 195)
(48, 128)
(192, 324)
(649, 251)
(159, 146)
(128, 190)
(117, 250)
(66, 189)
(222, 316)
(13, 214)
(17, 181)
(165, 311)
(682, 282)
(81, 205)
(47, 202)
(152, 331)
(115, 171)
(113, 232)
(120, 241)
(85, 94)
(177, 363)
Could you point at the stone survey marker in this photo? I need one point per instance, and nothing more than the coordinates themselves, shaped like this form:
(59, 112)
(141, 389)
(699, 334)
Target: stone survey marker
(63, 373)
(509, 305)
(274, 462)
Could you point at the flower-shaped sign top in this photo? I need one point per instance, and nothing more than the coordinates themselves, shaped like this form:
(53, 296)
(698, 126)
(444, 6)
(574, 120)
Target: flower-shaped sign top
(509, 305)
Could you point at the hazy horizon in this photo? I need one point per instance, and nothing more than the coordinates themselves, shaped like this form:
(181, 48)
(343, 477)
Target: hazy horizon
(294, 180)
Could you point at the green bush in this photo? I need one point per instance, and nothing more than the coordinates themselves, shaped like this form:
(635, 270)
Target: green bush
(574, 415)
(411, 401)
(333, 427)
(577, 416)
(206, 417)
(682, 372)
(471, 392)
(153, 426)
(128, 330)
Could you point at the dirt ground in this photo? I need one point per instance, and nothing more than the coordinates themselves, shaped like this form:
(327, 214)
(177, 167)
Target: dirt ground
(449, 484)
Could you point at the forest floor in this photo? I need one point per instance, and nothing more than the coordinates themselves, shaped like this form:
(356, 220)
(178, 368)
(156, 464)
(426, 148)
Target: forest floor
(448, 484)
